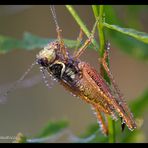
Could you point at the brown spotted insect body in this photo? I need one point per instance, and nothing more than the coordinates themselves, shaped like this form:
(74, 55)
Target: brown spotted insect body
(84, 81)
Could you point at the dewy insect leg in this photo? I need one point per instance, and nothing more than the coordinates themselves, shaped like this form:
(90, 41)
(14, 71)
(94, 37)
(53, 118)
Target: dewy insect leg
(101, 122)
(104, 63)
(124, 110)
(87, 42)
(79, 39)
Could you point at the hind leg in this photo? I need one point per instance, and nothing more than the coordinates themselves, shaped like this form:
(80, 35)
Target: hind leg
(87, 42)
(121, 104)
(101, 121)
(79, 39)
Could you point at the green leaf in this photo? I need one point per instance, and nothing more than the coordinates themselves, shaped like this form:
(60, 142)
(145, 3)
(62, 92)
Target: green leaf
(29, 42)
(141, 36)
(95, 9)
(50, 132)
(137, 136)
(53, 127)
(93, 135)
(140, 104)
(111, 15)
(128, 44)
(7, 43)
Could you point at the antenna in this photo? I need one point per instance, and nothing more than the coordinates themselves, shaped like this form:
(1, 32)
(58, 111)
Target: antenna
(4, 95)
(52, 8)
(62, 47)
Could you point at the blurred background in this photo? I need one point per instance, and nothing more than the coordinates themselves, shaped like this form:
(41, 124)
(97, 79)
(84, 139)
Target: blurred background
(28, 109)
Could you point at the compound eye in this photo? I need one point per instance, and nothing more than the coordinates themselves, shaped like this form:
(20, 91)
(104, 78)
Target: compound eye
(43, 62)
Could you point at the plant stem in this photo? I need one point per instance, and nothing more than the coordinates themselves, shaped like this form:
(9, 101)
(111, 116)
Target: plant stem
(81, 24)
(98, 11)
(96, 14)
(101, 32)
(111, 127)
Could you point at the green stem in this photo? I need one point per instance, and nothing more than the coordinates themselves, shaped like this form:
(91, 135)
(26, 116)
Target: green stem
(98, 11)
(81, 24)
(96, 14)
(101, 32)
(111, 127)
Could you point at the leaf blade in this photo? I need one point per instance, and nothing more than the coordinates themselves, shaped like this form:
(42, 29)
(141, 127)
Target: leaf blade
(140, 104)
(28, 42)
(141, 36)
(53, 127)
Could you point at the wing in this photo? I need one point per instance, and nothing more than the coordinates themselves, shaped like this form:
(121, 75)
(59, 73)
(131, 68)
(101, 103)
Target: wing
(106, 93)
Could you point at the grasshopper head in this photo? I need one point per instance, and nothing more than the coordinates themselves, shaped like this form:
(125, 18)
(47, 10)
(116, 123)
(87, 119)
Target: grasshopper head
(47, 55)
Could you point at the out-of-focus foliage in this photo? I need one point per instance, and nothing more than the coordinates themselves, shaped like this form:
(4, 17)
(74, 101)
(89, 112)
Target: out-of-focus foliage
(127, 44)
(53, 128)
(29, 42)
(140, 104)
(141, 36)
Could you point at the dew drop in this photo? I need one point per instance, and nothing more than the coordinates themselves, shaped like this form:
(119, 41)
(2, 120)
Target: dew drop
(114, 117)
(94, 113)
(74, 95)
(132, 115)
(131, 129)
